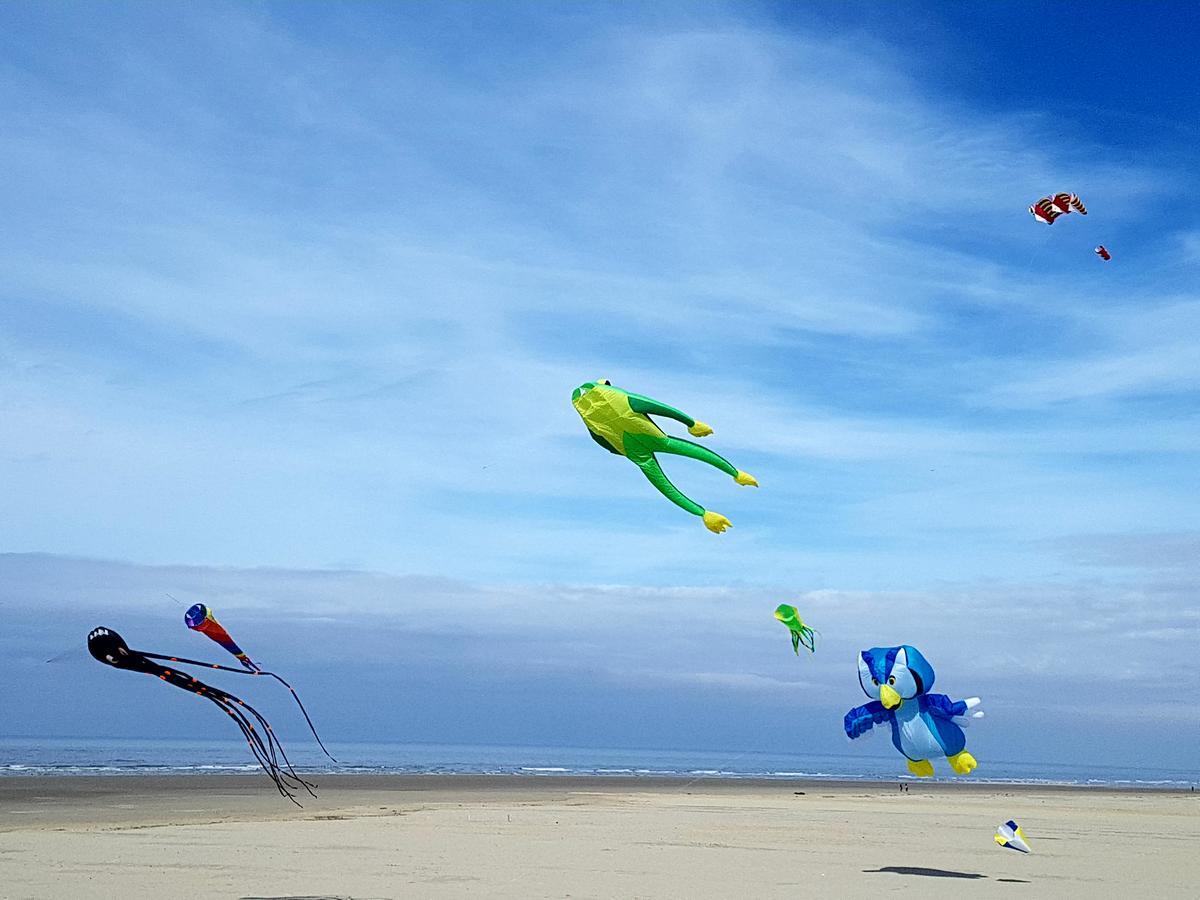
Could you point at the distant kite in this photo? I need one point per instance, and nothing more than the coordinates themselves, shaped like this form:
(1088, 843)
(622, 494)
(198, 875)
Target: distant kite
(1010, 836)
(801, 633)
(1048, 209)
(200, 618)
(110, 648)
(1103, 253)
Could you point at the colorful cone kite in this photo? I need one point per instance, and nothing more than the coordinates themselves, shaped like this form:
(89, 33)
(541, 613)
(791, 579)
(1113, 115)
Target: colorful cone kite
(200, 618)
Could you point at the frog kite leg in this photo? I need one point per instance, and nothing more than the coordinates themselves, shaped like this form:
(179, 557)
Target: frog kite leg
(924, 725)
(619, 421)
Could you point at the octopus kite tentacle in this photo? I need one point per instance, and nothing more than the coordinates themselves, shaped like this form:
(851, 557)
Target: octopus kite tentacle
(284, 776)
(110, 648)
(255, 671)
(268, 748)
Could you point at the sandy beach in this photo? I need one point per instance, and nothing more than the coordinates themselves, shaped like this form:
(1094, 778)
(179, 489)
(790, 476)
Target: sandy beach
(426, 836)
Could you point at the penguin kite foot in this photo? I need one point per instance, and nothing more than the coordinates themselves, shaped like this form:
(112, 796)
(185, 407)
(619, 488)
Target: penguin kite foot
(715, 522)
(700, 429)
(745, 479)
(962, 763)
(922, 768)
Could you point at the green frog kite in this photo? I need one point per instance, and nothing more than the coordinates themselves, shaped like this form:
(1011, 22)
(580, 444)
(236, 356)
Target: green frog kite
(620, 423)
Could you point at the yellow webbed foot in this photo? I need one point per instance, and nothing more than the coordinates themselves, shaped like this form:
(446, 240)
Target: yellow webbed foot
(716, 523)
(746, 479)
(922, 768)
(962, 763)
(699, 430)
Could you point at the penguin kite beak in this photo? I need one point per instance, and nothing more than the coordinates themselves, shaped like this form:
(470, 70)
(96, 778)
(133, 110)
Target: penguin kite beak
(888, 697)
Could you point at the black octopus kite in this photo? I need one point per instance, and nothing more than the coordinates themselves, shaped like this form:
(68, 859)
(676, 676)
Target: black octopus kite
(110, 648)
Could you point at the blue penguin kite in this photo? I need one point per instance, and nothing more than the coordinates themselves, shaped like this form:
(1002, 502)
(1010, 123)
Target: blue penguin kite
(924, 725)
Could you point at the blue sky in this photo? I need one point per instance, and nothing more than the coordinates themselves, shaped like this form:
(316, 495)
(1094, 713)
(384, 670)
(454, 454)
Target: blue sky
(294, 298)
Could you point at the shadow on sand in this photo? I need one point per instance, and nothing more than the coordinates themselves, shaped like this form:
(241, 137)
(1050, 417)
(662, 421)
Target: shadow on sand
(938, 873)
(927, 873)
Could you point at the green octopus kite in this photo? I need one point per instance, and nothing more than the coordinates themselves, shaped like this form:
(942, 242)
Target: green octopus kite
(620, 423)
(801, 633)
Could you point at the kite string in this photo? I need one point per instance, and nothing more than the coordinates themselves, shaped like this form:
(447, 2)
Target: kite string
(73, 649)
(1038, 249)
(720, 768)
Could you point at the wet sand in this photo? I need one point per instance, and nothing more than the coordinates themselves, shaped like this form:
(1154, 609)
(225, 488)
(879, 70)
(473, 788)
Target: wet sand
(432, 836)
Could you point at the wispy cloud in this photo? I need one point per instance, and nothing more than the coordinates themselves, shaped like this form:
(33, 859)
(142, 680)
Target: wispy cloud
(1160, 551)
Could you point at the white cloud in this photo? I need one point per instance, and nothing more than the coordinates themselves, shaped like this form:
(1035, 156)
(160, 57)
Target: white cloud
(1097, 658)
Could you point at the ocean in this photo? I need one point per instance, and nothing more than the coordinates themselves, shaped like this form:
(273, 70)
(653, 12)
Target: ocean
(89, 756)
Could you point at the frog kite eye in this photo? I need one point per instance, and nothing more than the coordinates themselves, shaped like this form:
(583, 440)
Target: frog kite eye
(619, 421)
(801, 633)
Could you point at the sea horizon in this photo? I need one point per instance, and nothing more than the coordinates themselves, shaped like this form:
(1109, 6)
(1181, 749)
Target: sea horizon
(114, 756)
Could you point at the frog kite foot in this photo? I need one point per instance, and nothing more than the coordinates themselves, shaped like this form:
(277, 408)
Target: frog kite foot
(745, 479)
(716, 523)
(962, 763)
(700, 430)
(922, 768)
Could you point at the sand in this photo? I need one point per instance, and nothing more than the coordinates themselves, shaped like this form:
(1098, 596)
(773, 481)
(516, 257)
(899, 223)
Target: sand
(424, 836)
